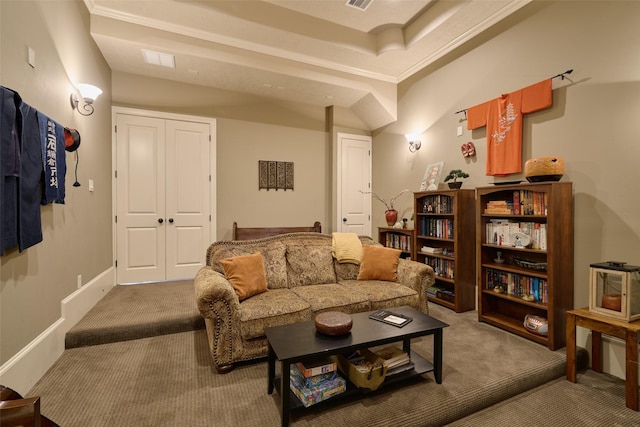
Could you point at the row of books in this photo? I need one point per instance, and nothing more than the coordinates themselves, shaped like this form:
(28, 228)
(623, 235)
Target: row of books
(527, 202)
(519, 285)
(442, 267)
(438, 204)
(437, 227)
(523, 202)
(399, 241)
(503, 232)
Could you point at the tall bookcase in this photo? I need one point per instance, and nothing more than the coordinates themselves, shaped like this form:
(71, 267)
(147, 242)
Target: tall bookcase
(398, 238)
(531, 226)
(445, 239)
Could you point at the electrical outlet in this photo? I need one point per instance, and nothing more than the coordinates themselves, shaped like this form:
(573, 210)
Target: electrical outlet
(79, 281)
(90, 185)
(459, 131)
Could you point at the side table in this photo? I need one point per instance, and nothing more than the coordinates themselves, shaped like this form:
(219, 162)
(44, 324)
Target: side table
(598, 324)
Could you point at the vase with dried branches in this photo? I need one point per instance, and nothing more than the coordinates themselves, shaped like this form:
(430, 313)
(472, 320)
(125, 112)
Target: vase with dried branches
(391, 215)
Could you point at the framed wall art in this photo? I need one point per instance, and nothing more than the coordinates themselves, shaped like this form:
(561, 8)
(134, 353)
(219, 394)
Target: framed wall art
(277, 175)
(431, 177)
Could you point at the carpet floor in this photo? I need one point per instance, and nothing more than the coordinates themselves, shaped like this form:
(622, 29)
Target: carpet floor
(168, 380)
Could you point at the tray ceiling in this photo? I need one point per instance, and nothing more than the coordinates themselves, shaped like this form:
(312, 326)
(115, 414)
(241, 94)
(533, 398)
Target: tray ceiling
(316, 52)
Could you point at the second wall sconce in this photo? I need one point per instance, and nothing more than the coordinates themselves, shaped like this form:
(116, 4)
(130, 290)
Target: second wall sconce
(89, 93)
(414, 142)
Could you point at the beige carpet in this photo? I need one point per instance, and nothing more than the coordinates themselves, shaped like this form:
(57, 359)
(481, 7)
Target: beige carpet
(138, 311)
(596, 400)
(168, 381)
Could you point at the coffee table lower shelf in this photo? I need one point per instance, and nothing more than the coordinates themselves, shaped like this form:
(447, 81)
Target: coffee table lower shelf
(299, 342)
(420, 366)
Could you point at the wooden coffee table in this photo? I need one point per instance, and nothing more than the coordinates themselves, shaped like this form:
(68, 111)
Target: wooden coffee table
(300, 342)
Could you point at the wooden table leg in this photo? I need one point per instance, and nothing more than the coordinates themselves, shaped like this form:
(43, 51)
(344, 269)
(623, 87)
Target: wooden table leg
(596, 351)
(271, 370)
(285, 395)
(632, 370)
(437, 355)
(571, 347)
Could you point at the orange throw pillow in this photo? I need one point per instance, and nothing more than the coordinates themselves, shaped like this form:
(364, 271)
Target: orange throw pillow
(246, 274)
(379, 263)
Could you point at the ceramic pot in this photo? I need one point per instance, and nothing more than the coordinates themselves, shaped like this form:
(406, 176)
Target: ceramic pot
(455, 185)
(391, 216)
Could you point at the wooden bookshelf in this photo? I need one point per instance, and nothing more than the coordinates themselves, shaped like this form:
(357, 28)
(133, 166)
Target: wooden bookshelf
(445, 222)
(398, 238)
(536, 278)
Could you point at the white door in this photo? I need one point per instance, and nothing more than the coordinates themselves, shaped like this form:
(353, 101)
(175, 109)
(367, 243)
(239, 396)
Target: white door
(354, 178)
(187, 197)
(162, 198)
(140, 201)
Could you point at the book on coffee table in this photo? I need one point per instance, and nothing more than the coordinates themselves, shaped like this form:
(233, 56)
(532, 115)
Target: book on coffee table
(391, 318)
(318, 366)
(393, 356)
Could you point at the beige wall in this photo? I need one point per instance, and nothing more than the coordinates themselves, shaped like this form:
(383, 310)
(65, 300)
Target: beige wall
(241, 145)
(77, 235)
(593, 123)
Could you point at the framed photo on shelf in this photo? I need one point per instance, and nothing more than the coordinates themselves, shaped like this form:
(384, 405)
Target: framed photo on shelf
(432, 177)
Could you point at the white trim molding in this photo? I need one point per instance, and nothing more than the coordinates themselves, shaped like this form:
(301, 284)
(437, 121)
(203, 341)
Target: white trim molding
(27, 366)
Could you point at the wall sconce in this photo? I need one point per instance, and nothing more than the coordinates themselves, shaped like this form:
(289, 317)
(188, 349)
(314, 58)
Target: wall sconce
(89, 93)
(414, 142)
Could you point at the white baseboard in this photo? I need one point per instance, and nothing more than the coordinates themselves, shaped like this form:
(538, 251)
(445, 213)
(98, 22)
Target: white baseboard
(23, 370)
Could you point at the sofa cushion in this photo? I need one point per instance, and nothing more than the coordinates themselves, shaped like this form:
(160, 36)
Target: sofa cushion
(246, 274)
(274, 308)
(309, 262)
(382, 294)
(275, 263)
(379, 263)
(332, 296)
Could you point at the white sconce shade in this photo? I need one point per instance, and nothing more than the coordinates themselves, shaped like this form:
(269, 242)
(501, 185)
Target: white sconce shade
(414, 142)
(89, 94)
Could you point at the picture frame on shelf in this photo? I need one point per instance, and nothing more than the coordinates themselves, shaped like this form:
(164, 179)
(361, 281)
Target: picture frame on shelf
(431, 177)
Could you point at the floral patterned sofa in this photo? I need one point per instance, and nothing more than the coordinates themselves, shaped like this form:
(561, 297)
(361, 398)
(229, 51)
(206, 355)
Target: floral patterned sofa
(302, 279)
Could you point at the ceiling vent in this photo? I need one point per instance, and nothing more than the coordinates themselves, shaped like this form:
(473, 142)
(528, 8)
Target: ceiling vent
(359, 4)
(158, 58)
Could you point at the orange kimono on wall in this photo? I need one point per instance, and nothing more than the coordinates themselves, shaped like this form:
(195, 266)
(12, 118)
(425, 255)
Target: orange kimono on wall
(503, 118)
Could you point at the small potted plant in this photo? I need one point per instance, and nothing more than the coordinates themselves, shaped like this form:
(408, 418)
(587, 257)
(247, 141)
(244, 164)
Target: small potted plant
(454, 175)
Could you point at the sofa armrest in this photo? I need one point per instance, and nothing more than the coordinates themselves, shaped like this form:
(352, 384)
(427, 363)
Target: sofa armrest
(212, 287)
(417, 276)
(219, 305)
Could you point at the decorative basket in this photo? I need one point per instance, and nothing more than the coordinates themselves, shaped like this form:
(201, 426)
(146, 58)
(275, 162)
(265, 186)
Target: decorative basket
(544, 169)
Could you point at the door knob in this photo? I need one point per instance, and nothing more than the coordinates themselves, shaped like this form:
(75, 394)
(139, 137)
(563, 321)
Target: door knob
(160, 220)
(344, 219)
(171, 220)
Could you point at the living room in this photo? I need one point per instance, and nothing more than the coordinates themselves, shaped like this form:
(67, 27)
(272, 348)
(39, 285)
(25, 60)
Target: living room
(590, 125)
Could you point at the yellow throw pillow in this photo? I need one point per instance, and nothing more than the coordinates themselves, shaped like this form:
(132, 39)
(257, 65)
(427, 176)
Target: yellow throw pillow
(246, 274)
(379, 263)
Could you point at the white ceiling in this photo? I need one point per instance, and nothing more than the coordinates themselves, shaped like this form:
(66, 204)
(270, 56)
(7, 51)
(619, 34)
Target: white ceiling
(316, 52)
